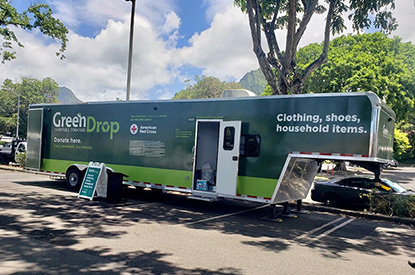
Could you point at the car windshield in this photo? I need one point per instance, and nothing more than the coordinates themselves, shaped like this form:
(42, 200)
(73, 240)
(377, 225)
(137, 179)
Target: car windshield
(396, 187)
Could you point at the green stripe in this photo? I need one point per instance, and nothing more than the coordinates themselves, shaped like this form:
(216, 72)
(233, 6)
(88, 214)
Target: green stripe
(134, 173)
(252, 186)
(55, 165)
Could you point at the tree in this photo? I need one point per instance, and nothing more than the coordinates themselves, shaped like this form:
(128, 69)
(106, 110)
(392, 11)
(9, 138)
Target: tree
(205, 87)
(367, 62)
(370, 62)
(37, 16)
(280, 67)
(31, 91)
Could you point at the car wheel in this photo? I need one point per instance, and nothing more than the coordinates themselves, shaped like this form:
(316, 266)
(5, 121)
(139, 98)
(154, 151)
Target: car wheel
(333, 200)
(74, 178)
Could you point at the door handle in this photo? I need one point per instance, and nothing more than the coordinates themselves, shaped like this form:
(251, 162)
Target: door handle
(234, 158)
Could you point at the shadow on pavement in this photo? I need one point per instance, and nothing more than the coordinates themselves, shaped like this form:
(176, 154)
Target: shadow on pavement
(58, 220)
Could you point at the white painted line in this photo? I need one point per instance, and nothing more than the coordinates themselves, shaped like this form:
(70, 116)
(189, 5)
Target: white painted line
(329, 231)
(318, 228)
(226, 215)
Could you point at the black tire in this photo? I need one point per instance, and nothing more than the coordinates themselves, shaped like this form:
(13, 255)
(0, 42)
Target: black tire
(74, 178)
(333, 200)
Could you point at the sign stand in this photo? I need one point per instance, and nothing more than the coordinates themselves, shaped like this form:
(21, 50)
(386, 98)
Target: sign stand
(95, 180)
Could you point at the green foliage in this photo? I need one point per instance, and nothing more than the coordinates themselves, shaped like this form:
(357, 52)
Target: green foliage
(267, 91)
(205, 87)
(408, 128)
(21, 159)
(31, 91)
(370, 62)
(367, 62)
(37, 16)
(393, 205)
(401, 144)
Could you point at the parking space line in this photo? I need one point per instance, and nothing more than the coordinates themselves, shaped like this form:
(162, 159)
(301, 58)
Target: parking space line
(329, 231)
(225, 215)
(318, 228)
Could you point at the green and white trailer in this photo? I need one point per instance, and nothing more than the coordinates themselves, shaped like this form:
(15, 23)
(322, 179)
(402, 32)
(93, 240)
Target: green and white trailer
(264, 149)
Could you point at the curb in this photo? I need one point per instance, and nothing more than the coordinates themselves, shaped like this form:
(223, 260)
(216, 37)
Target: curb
(359, 214)
(12, 168)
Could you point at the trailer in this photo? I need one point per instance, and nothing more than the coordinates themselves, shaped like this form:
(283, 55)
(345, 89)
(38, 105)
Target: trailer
(263, 149)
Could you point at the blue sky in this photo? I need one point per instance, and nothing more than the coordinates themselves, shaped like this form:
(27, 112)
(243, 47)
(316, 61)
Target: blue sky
(174, 40)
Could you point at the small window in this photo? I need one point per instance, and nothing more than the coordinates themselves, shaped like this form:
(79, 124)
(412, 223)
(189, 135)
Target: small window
(250, 145)
(229, 139)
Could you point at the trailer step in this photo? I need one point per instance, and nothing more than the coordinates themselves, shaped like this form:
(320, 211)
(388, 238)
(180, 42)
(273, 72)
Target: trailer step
(209, 199)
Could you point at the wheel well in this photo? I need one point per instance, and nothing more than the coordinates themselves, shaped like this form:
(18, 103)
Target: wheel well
(80, 167)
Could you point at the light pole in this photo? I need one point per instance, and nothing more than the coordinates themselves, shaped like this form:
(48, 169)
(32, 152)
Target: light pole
(18, 117)
(130, 50)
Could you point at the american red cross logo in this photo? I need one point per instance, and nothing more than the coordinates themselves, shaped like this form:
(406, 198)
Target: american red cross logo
(133, 129)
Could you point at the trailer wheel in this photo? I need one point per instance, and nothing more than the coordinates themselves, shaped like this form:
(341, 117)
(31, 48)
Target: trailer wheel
(74, 178)
(333, 200)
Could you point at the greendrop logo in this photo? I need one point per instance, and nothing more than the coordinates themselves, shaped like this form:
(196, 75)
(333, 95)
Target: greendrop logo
(86, 122)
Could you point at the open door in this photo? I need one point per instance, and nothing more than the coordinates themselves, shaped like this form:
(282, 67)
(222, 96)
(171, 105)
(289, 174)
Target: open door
(216, 157)
(228, 157)
(34, 139)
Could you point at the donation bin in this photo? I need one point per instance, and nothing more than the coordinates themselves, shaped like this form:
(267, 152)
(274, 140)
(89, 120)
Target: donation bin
(114, 187)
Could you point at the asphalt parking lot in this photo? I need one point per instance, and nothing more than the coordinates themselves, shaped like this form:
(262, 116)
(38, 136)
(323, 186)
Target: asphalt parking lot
(46, 229)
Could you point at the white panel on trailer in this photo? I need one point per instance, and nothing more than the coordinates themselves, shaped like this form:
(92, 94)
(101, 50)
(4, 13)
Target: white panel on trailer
(228, 157)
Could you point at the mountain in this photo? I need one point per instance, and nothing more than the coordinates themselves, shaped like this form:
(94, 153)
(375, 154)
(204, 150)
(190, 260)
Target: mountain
(67, 96)
(254, 81)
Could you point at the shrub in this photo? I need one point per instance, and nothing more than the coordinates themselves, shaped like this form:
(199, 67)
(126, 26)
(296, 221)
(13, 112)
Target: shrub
(21, 159)
(393, 205)
(400, 144)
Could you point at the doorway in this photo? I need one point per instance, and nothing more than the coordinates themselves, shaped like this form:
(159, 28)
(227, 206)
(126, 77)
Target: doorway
(216, 156)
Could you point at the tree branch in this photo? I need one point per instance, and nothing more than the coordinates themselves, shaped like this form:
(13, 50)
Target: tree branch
(269, 29)
(292, 16)
(255, 26)
(308, 13)
(324, 55)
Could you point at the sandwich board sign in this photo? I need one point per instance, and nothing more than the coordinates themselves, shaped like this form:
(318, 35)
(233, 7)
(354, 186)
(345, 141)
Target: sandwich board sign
(95, 175)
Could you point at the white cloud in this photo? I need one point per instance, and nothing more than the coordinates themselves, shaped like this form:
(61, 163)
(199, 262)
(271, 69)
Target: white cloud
(172, 23)
(216, 6)
(225, 49)
(171, 29)
(95, 67)
(405, 13)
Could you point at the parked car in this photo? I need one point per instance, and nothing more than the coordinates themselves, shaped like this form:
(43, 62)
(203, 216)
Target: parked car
(9, 148)
(350, 191)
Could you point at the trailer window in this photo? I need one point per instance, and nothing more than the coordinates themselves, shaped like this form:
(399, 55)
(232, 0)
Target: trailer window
(250, 145)
(229, 139)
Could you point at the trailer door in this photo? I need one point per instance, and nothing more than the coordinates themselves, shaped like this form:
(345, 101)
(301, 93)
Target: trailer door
(228, 157)
(34, 138)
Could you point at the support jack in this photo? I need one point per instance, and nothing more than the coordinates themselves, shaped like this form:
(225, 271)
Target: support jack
(286, 213)
(299, 209)
(273, 215)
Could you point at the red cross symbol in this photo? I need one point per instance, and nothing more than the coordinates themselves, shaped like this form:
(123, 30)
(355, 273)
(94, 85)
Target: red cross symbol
(133, 129)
